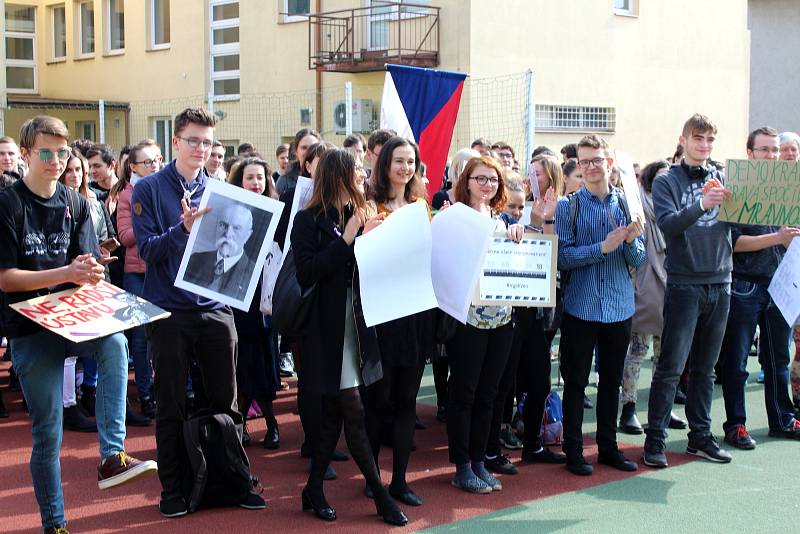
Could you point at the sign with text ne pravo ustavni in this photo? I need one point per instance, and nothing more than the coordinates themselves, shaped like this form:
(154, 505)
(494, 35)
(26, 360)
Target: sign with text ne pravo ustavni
(765, 192)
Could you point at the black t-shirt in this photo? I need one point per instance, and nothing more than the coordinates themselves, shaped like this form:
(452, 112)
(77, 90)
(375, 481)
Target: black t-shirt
(37, 234)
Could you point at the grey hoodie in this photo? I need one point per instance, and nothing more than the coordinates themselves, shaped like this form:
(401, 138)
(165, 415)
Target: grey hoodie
(699, 246)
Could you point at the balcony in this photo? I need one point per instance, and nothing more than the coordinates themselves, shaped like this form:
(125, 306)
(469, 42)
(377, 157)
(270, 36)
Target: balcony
(366, 39)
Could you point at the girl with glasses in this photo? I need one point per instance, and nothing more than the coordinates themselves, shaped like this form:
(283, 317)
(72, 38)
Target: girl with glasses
(143, 160)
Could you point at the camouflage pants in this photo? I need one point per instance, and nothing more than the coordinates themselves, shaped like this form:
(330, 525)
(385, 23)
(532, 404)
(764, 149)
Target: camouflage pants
(637, 350)
(794, 374)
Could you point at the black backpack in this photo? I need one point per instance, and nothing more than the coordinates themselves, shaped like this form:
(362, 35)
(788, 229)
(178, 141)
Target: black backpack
(219, 466)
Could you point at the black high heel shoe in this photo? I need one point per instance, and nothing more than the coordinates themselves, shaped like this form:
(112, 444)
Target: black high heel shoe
(321, 508)
(388, 510)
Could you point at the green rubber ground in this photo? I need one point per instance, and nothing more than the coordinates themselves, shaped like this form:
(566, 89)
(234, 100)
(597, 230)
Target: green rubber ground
(759, 491)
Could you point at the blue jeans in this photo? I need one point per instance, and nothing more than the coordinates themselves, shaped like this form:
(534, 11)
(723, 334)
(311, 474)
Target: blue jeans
(39, 363)
(143, 371)
(694, 325)
(751, 305)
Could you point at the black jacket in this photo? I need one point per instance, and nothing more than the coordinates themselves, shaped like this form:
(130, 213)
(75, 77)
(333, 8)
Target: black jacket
(323, 258)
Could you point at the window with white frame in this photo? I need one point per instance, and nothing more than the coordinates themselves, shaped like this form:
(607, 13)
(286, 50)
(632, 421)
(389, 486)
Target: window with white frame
(20, 37)
(581, 118)
(58, 21)
(159, 23)
(162, 134)
(86, 130)
(225, 48)
(86, 28)
(115, 25)
(626, 7)
(382, 14)
(295, 10)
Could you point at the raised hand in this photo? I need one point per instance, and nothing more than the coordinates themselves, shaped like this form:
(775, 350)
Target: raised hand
(190, 214)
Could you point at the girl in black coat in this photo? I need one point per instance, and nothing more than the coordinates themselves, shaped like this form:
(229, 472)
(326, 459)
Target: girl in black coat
(339, 352)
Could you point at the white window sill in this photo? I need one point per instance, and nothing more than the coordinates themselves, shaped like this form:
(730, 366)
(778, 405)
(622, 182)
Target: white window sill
(83, 57)
(226, 98)
(629, 14)
(117, 52)
(159, 47)
(292, 19)
(56, 60)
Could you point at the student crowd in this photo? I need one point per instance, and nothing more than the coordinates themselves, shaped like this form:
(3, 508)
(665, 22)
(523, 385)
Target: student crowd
(679, 280)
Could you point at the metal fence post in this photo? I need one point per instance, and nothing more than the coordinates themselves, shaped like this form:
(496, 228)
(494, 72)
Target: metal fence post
(101, 112)
(530, 117)
(348, 104)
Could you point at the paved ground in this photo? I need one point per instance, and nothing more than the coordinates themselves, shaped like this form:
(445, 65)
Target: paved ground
(757, 492)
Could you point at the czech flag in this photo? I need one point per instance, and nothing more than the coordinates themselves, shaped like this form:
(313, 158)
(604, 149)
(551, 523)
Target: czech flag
(422, 105)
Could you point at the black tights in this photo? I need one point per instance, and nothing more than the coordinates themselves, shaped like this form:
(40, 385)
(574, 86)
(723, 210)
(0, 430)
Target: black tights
(395, 393)
(344, 407)
(264, 403)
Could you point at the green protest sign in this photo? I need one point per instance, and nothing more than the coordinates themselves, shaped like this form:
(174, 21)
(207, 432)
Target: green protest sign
(765, 192)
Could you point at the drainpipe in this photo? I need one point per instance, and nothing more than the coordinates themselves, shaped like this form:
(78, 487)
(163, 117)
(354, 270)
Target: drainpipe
(317, 72)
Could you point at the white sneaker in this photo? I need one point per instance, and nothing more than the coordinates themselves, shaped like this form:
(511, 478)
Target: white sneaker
(286, 364)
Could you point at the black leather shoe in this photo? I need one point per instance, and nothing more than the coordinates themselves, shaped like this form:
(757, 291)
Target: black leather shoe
(543, 456)
(587, 402)
(318, 505)
(388, 510)
(577, 465)
(75, 421)
(628, 422)
(675, 422)
(272, 439)
(617, 460)
(330, 472)
(419, 425)
(134, 419)
(406, 496)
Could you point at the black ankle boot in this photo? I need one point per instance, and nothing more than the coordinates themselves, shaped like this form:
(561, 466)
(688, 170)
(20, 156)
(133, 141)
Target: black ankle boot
(628, 422)
(387, 508)
(314, 500)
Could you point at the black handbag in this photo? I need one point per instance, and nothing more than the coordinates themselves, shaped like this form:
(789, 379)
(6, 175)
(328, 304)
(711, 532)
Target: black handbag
(291, 303)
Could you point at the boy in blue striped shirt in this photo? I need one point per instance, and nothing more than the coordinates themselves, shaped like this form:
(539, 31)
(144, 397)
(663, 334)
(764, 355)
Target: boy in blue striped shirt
(598, 302)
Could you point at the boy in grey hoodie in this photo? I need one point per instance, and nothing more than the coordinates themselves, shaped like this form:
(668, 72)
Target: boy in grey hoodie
(698, 264)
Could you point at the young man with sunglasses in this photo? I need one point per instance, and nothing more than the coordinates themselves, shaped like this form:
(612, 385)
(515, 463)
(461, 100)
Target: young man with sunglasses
(165, 207)
(49, 244)
(598, 247)
(698, 263)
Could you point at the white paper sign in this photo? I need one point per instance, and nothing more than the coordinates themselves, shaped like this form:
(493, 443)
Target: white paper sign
(460, 238)
(785, 285)
(630, 185)
(302, 194)
(519, 274)
(227, 247)
(394, 266)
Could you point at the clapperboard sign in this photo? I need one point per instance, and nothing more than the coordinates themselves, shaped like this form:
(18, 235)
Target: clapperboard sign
(519, 274)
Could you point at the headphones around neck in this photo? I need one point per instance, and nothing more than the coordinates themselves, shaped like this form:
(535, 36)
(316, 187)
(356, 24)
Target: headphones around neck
(695, 172)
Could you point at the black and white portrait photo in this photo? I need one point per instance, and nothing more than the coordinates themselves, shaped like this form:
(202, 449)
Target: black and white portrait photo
(227, 249)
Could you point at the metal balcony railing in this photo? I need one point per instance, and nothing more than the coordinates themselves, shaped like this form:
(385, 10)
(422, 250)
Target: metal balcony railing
(367, 38)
